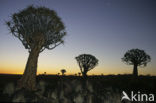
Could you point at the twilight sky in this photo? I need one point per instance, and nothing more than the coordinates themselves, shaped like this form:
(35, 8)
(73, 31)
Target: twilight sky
(103, 28)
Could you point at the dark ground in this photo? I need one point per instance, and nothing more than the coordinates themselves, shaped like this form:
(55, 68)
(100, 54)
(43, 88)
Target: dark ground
(144, 84)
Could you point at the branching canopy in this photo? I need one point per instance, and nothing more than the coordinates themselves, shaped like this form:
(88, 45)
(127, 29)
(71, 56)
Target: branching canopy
(136, 57)
(37, 22)
(63, 71)
(86, 62)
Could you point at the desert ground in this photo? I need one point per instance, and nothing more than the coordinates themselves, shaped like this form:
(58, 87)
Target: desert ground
(69, 89)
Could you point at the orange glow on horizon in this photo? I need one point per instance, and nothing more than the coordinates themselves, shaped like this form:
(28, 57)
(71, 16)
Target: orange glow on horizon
(54, 72)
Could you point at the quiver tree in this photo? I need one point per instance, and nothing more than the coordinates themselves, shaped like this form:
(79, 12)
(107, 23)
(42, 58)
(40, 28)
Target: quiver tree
(86, 62)
(79, 73)
(38, 28)
(63, 71)
(136, 57)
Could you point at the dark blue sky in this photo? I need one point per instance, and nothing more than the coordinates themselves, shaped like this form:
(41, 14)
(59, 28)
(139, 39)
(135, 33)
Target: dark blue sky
(104, 28)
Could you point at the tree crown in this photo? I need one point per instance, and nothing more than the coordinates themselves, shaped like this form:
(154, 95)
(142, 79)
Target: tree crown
(63, 70)
(34, 24)
(87, 61)
(136, 57)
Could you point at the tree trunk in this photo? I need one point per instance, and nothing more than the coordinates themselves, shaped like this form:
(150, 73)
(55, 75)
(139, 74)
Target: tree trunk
(28, 80)
(85, 75)
(135, 70)
(85, 84)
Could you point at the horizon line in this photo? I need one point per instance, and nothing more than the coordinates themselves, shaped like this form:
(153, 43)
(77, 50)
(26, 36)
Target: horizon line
(80, 75)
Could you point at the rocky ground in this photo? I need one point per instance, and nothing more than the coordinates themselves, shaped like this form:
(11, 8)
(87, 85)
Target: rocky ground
(72, 89)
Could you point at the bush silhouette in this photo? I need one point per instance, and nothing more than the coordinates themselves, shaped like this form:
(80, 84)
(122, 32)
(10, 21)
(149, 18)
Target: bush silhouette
(136, 57)
(38, 28)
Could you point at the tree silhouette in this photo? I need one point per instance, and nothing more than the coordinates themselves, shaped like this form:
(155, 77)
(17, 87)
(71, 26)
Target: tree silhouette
(79, 73)
(86, 62)
(63, 71)
(38, 28)
(136, 57)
